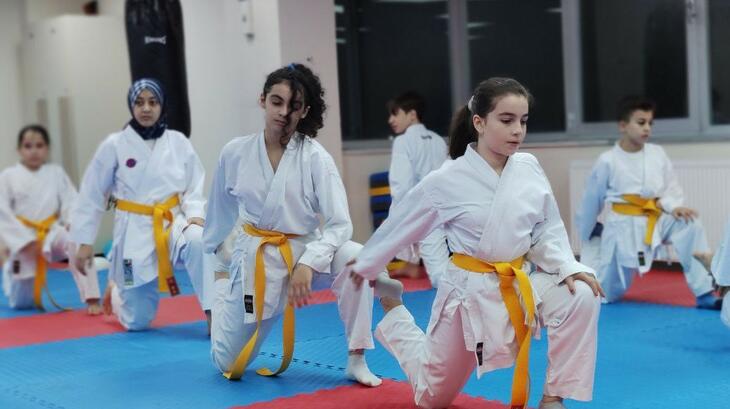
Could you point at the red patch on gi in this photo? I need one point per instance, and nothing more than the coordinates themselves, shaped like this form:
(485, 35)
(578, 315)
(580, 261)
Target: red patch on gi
(131, 163)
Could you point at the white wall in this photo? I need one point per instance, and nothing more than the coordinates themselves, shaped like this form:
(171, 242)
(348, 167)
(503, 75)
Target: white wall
(38, 10)
(308, 37)
(11, 115)
(226, 71)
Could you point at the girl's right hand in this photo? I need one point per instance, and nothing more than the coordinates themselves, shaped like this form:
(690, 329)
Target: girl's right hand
(84, 257)
(357, 279)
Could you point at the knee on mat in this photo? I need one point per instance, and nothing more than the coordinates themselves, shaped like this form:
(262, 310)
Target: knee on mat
(137, 324)
(136, 320)
(21, 304)
(222, 356)
(220, 360)
(427, 401)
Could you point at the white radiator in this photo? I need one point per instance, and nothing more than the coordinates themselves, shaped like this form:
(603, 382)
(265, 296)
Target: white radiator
(706, 185)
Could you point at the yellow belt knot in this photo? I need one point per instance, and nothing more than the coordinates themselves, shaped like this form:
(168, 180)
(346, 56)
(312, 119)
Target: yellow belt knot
(507, 272)
(281, 241)
(160, 213)
(640, 206)
(41, 267)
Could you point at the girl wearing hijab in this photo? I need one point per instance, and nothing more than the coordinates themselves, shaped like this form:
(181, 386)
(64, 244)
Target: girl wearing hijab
(154, 179)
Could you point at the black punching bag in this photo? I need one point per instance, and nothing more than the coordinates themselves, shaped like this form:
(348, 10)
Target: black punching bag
(157, 50)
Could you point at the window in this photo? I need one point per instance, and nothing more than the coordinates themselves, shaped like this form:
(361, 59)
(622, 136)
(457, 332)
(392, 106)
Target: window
(577, 57)
(719, 32)
(633, 48)
(521, 39)
(385, 48)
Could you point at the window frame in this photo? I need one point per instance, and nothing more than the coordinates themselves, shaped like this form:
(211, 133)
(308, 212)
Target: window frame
(696, 127)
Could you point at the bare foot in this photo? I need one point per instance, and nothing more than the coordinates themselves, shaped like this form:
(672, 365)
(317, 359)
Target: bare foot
(107, 300)
(705, 259)
(389, 303)
(93, 307)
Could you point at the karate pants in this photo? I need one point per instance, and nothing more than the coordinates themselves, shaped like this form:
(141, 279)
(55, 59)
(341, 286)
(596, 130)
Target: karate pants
(438, 364)
(20, 291)
(229, 332)
(136, 307)
(686, 238)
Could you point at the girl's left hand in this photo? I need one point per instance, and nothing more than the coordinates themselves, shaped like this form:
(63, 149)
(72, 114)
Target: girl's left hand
(586, 278)
(300, 285)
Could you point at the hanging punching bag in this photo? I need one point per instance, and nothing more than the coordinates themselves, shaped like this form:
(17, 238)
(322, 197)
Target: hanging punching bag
(157, 50)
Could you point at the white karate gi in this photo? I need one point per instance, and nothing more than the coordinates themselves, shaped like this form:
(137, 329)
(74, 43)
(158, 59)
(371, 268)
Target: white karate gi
(416, 153)
(721, 271)
(648, 173)
(493, 218)
(125, 167)
(37, 195)
(306, 189)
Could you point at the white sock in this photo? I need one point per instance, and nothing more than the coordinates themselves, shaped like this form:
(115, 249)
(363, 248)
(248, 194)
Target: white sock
(357, 370)
(388, 287)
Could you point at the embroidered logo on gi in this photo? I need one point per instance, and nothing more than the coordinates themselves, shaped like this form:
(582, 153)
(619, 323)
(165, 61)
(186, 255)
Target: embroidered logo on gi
(128, 272)
(480, 351)
(161, 40)
(131, 163)
(248, 303)
(424, 137)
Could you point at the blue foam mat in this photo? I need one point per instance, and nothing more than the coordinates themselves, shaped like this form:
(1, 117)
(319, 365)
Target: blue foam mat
(64, 291)
(649, 357)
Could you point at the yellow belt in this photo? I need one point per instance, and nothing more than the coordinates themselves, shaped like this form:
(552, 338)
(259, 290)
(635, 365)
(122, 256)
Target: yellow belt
(41, 267)
(639, 206)
(281, 241)
(379, 191)
(159, 212)
(507, 272)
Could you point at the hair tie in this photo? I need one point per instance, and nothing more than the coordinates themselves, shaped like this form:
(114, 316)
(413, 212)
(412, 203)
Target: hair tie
(470, 104)
(291, 67)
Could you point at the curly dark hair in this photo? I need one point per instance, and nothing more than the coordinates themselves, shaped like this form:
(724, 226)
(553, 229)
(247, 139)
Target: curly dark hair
(302, 80)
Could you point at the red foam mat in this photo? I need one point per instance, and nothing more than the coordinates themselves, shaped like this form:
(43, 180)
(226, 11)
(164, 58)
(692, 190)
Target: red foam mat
(389, 395)
(60, 326)
(661, 287)
(77, 324)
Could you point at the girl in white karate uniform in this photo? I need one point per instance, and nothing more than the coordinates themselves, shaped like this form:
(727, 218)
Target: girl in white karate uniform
(35, 202)
(634, 186)
(154, 178)
(282, 184)
(497, 210)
